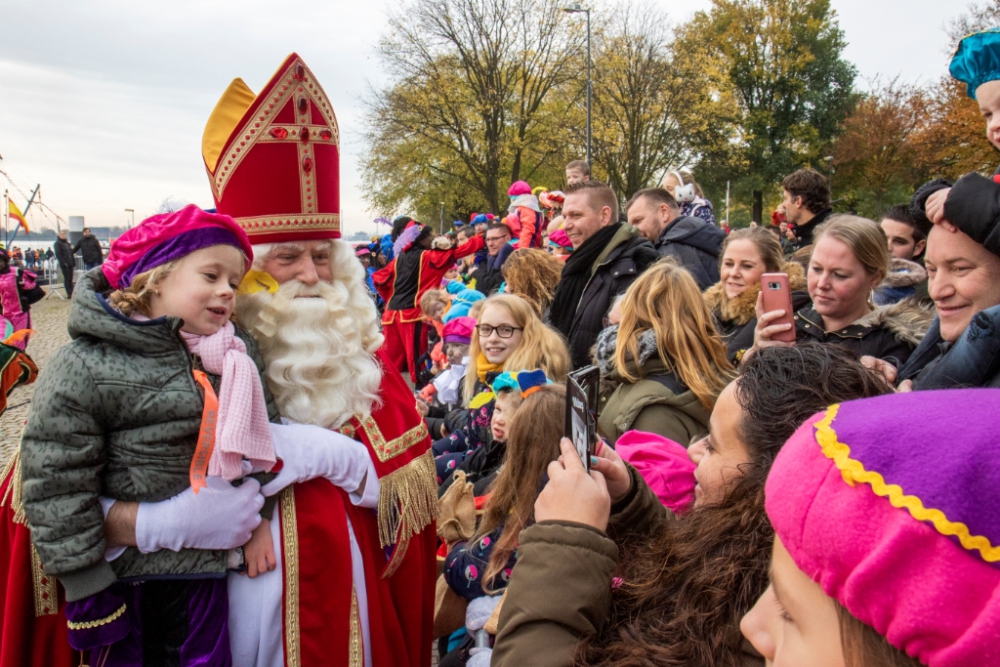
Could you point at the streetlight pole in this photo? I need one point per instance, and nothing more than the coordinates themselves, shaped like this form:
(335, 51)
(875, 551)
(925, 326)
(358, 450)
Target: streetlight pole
(132, 211)
(577, 8)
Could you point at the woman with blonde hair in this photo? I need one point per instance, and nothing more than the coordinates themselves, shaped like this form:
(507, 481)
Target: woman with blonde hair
(509, 336)
(667, 357)
(850, 258)
(533, 274)
(746, 255)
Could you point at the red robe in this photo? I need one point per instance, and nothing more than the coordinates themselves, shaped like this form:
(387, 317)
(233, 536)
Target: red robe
(397, 544)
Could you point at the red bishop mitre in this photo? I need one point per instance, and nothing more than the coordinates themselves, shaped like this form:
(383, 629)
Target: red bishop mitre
(274, 159)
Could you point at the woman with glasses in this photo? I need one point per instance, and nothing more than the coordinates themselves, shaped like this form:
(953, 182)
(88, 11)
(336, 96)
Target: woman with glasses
(509, 336)
(666, 357)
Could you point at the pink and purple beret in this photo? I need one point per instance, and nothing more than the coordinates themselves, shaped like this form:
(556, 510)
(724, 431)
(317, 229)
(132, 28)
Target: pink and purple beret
(169, 236)
(459, 330)
(518, 188)
(892, 505)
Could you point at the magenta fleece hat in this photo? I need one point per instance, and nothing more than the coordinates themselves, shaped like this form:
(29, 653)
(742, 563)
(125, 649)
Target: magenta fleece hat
(459, 330)
(892, 505)
(664, 464)
(518, 188)
(169, 236)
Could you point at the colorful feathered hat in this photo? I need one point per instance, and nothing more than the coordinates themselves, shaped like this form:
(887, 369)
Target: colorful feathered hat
(891, 504)
(977, 60)
(413, 232)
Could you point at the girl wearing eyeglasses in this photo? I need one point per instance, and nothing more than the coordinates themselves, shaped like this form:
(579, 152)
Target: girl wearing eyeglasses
(509, 336)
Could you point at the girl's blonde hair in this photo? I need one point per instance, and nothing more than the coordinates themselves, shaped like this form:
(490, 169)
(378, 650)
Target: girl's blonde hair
(533, 274)
(532, 443)
(137, 297)
(667, 300)
(864, 237)
(541, 347)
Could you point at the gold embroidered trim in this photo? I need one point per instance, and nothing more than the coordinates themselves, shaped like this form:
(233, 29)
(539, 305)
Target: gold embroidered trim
(407, 503)
(289, 224)
(257, 126)
(90, 625)
(14, 491)
(46, 593)
(357, 653)
(387, 450)
(290, 554)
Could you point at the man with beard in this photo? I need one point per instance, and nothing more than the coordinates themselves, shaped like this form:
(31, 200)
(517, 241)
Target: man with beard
(352, 586)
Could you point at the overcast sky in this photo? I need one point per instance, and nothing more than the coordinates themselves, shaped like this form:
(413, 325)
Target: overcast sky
(104, 101)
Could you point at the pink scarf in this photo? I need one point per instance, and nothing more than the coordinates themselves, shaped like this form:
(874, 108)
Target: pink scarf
(242, 429)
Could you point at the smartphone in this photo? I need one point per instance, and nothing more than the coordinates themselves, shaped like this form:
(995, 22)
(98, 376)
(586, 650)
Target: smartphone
(581, 411)
(778, 296)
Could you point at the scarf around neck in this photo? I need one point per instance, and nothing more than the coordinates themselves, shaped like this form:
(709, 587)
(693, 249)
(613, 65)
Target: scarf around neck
(484, 368)
(575, 276)
(242, 429)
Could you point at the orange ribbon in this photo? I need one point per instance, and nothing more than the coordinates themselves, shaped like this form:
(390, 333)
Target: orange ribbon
(206, 434)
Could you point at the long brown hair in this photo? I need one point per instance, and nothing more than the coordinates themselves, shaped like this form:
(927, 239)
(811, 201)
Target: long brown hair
(533, 274)
(541, 347)
(688, 582)
(667, 300)
(532, 444)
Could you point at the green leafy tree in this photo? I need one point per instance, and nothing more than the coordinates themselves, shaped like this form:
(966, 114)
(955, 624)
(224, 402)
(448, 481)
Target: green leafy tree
(781, 84)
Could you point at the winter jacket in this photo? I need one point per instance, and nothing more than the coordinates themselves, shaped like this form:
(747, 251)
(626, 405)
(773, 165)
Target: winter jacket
(736, 318)
(91, 247)
(64, 253)
(973, 205)
(117, 413)
(699, 207)
(658, 403)
(696, 245)
(480, 468)
(902, 282)
(490, 276)
(971, 361)
(804, 233)
(466, 564)
(560, 590)
(625, 257)
(889, 333)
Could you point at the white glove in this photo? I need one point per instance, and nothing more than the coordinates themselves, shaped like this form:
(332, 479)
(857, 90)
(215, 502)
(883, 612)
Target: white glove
(221, 516)
(308, 452)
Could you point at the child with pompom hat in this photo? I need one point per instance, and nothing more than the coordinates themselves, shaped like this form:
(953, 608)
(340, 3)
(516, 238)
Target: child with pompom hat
(525, 218)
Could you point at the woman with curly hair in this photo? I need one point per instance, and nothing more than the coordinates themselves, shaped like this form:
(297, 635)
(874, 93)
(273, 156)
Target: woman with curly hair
(682, 583)
(533, 274)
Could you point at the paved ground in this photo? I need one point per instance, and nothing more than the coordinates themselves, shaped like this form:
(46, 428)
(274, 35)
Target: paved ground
(49, 320)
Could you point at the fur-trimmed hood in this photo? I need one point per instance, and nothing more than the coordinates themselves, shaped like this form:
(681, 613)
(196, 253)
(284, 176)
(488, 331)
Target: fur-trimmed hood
(607, 343)
(908, 320)
(742, 308)
(904, 273)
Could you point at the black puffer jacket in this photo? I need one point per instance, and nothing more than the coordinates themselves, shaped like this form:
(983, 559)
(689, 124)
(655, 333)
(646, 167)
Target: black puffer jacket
(696, 245)
(889, 333)
(91, 249)
(625, 257)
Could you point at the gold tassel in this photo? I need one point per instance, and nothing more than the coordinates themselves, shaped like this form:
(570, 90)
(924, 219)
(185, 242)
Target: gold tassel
(13, 493)
(407, 504)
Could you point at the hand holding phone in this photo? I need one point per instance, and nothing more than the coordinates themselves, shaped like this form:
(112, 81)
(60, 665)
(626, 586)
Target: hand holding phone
(775, 295)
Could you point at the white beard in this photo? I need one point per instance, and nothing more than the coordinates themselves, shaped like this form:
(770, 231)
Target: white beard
(318, 352)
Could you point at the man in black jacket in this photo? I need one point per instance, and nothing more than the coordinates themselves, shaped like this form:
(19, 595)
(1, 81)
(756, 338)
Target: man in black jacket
(807, 204)
(91, 247)
(64, 257)
(694, 243)
(608, 257)
(490, 277)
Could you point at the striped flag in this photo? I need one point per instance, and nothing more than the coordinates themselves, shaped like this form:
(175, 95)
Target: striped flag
(15, 213)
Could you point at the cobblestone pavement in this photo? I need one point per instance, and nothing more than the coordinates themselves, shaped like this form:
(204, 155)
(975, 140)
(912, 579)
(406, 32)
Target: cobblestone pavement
(49, 320)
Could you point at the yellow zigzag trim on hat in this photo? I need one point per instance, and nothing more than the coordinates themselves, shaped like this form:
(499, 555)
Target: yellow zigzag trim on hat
(854, 471)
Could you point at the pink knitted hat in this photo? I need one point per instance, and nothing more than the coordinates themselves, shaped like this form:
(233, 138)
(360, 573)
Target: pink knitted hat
(892, 505)
(519, 188)
(168, 236)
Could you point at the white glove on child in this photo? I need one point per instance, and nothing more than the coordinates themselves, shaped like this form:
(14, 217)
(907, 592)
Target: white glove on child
(308, 452)
(221, 516)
